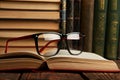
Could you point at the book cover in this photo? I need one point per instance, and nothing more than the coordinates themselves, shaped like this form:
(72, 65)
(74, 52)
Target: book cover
(118, 48)
(17, 14)
(63, 17)
(35, 0)
(86, 25)
(70, 16)
(23, 5)
(19, 24)
(112, 34)
(99, 26)
(77, 13)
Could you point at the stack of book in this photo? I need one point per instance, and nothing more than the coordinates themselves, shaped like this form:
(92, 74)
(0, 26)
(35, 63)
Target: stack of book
(25, 17)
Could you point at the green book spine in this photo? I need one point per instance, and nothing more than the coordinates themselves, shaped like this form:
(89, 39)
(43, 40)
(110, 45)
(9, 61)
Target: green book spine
(113, 24)
(70, 16)
(99, 26)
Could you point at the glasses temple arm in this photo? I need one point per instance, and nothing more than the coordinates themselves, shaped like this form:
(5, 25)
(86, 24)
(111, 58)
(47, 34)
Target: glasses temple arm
(47, 45)
(15, 39)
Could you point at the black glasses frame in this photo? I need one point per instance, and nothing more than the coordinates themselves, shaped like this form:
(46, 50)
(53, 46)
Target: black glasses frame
(35, 37)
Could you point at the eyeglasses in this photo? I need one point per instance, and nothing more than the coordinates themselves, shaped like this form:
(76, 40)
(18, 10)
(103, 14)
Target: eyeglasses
(53, 42)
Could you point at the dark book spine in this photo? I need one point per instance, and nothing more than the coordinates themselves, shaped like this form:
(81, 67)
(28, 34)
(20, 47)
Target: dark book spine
(70, 16)
(63, 16)
(63, 21)
(77, 13)
(86, 25)
(99, 26)
(113, 23)
(118, 49)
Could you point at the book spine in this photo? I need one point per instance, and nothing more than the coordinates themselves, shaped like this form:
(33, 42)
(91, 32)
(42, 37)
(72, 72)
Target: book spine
(77, 13)
(118, 49)
(99, 26)
(33, 25)
(35, 0)
(63, 20)
(63, 16)
(112, 29)
(70, 16)
(16, 14)
(86, 25)
(22, 5)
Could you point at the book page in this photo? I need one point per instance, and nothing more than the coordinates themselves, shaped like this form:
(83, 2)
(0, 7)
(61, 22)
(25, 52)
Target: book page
(24, 60)
(84, 55)
(21, 54)
(86, 61)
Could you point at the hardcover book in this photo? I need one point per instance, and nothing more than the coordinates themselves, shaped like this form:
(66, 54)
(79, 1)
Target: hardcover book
(99, 26)
(36, 0)
(22, 5)
(86, 25)
(17, 14)
(70, 16)
(63, 61)
(112, 31)
(40, 25)
(77, 13)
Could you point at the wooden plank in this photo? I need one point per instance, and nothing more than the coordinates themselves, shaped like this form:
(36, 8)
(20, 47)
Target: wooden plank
(51, 76)
(9, 76)
(103, 76)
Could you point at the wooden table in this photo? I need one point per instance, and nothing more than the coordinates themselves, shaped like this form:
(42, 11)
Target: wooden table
(50, 75)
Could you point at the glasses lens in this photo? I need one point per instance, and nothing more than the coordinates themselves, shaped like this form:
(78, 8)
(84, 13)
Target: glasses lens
(74, 43)
(48, 44)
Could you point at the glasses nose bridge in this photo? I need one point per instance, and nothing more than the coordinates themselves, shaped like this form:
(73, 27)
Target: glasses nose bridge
(64, 37)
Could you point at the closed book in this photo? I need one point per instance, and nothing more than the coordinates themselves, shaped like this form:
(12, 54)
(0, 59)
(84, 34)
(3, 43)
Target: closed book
(36, 0)
(99, 26)
(17, 49)
(63, 16)
(112, 34)
(22, 43)
(7, 33)
(21, 5)
(63, 19)
(86, 25)
(118, 49)
(77, 13)
(76, 19)
(70, 16)
(17, 14)
(40, 25)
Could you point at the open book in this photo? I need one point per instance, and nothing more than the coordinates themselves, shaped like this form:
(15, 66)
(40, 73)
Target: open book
(86, 61)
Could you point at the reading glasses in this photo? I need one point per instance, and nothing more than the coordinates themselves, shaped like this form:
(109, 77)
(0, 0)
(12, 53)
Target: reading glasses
(53, 42)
